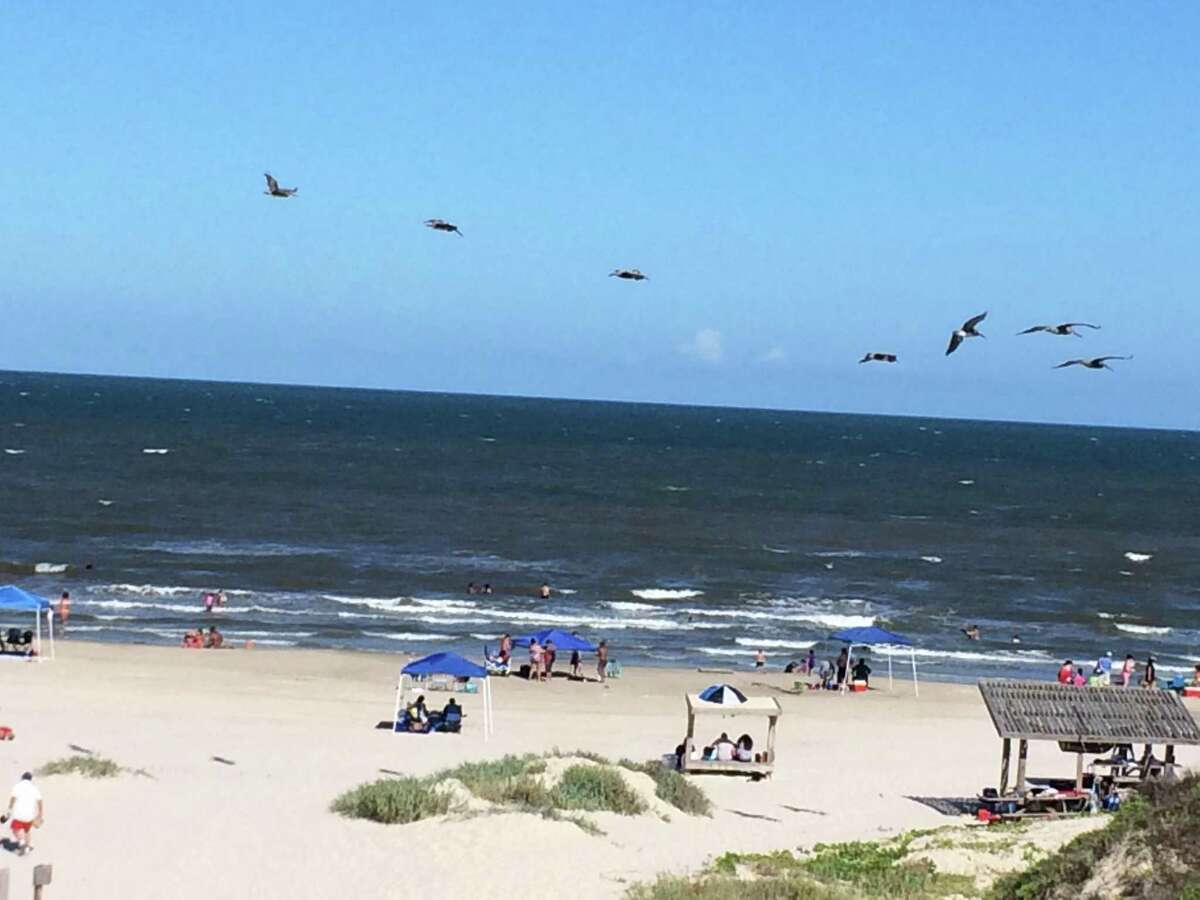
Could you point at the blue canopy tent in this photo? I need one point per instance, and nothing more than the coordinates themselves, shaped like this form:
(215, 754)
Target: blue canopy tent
(15, 599)
(563, 640)
(870, 636)
(447, 664)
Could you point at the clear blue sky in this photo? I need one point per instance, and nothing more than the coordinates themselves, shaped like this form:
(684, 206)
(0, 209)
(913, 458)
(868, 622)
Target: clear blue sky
(802, 182)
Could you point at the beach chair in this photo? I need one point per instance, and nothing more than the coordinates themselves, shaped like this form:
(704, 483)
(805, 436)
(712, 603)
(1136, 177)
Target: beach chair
(451, 722)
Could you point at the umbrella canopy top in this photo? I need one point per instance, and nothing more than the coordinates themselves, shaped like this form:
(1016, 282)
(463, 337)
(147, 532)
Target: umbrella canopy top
(445, 664)
(870, 635)
(13, 597)
(563, 640)
(722, 693)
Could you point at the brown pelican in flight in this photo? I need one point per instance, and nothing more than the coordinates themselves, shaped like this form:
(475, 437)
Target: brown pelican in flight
(628, 274)
(879, 357)
(442, 225)
(1098, 362)
(273, 188)
(967, 330)
(1065, 328)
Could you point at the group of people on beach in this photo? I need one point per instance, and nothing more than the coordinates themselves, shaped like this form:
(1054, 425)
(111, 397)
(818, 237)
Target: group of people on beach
(214, 600)
(832, 673)
(198, 640)
(543, 656)
(421, 720)
(1102, 674)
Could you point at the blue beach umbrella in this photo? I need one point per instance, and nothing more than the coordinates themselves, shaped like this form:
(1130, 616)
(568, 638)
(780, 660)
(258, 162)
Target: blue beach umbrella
(722, 693)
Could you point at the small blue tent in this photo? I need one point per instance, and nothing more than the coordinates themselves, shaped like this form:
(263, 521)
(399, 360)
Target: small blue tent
(448, 664)
(445, 664)
(15, 599)
(871, 635)
(563, 640)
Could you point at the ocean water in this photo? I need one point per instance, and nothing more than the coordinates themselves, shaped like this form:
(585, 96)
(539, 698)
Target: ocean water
(683, 535)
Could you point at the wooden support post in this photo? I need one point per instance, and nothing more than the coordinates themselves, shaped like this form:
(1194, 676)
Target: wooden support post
(771, 740)
(1079, 771)
(1022, 752)
(42, 876)
(3, 884)
(1170, 758)
(1005, 756)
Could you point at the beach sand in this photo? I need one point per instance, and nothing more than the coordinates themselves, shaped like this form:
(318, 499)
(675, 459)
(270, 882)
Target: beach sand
(298, 728)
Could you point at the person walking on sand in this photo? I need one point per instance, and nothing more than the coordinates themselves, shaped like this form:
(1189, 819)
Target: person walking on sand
(64, 610)
(1150, 673)
(602, 661)
(1127, 671)
(25, 809)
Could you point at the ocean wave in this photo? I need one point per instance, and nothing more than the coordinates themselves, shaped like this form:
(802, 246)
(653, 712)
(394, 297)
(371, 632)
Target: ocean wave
(839, 554)
(827, 619)
(12, 452)
(665, 594)
(783, 645)
(402, 604)
(931, 559)
(149, 590)
(280, 634)
(228, 548)
(631, 607)
(157, 451)
(45, 568)
(1008, 657)
(408, 636)
(730, 651)
(675, 488)
(1142, 629)
(779, 550)
(1139, 557)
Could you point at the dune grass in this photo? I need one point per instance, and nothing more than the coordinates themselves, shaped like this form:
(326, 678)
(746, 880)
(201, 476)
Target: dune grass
(87, 766)
(511, 783)
(671, 787)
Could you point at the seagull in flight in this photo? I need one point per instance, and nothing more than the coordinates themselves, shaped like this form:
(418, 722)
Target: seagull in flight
(442, 225)
(273, 188)
(878, 357)
(628, 274)
(1065, 328)
(967, 330)
(1098, 362)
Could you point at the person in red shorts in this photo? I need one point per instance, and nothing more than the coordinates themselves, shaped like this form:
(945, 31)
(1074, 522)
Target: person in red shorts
(25, 811)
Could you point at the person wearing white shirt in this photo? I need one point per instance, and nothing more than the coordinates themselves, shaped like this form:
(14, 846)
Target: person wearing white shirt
(25, 810)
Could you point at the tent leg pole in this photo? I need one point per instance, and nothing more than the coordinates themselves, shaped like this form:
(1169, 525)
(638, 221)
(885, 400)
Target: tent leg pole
(1005, 756)
(912, 655)
(37, 618)
(890, 683)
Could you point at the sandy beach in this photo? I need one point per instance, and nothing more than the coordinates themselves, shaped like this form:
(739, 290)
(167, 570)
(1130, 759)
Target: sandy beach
(296, 727)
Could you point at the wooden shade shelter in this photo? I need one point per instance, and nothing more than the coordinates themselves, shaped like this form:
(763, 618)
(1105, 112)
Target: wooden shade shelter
(760, 707)
(1085, 720)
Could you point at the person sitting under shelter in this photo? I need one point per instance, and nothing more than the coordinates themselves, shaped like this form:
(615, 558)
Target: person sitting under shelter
(862, 672)
(745, 749)
(418, 715)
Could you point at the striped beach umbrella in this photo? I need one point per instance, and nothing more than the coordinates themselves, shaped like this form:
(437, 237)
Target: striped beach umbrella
(722, 693)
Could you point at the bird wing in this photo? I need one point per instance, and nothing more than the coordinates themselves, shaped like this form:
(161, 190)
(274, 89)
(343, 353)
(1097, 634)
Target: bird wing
(1107, 358)
(1033, 329)
(955, 340)
(272, 184)
(973, 321)
(1079, 325)
(1070, 362)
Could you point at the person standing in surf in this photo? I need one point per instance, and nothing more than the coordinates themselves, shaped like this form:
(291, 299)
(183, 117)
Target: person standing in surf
(602, 661)
(64, 610)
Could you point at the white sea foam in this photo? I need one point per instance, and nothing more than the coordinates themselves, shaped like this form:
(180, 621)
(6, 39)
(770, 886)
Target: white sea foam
(12, 452)
(159, 451)
(665, 594)
(675, 488)
(931, 559)
(151, 590)
(632, 607)
(731, 651)
(1008, 657)
(279, 634)
(784, 645)
(1104, 615)
(775, 549)
(839, 554)
(1141, 629)
(565, 591)
(1139, 557)
(966, 481)
(826, 619)
(105, 502)
(45, 568)
(408, 636)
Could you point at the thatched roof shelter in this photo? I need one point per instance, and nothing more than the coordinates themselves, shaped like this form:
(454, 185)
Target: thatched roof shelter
(1041, 711)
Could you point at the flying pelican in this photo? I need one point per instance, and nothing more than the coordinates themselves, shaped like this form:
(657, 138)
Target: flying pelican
(1065, 328)
(628, 274)
(879, 357)
(442, 225)
(1098, 362)
(273, 188)
(967, 330)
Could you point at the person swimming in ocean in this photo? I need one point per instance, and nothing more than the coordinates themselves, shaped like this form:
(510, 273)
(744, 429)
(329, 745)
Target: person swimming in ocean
(544, 590)
(972, 633)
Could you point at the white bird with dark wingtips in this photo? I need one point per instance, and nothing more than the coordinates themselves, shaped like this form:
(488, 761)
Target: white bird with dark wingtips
(879, 357)
(273, 188)
(1097, 362)
(1065, 328)
(442, 225)
(628, 274)
(968, 330)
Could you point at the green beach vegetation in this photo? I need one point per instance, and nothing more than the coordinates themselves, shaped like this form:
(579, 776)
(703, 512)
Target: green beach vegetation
(522, 783)
(87, 766)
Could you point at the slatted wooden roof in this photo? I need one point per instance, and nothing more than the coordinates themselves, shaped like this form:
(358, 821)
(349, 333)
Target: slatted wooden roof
(1041, 711)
